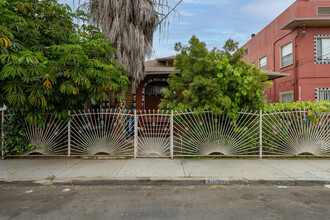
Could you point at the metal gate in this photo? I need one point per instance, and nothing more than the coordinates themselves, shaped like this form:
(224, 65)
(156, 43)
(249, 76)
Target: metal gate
(101, 133)
(154, 134)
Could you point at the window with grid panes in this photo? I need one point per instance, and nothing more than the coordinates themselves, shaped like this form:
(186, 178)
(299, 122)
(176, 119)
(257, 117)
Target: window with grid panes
(286, 55)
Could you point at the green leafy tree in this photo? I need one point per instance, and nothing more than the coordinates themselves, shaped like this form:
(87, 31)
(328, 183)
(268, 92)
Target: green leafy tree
(216, 80)
(50, 64)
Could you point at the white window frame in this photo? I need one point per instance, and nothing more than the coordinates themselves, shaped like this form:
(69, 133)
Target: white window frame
(316, 37)
(281, 54)
(285, 93)
(265, 99)
(264, 57)
(320, 90)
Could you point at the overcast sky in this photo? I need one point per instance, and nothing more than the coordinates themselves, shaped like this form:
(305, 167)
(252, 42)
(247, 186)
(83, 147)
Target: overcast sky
(214, 21)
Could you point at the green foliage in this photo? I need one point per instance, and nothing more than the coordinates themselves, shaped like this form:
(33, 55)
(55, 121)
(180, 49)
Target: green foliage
(51, 178)
(49, 64)
(315, 109)
(216, 80)
(318, 106)
(14, 140)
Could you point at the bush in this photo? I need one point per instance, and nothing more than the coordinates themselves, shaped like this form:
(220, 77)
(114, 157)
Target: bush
(213, 81)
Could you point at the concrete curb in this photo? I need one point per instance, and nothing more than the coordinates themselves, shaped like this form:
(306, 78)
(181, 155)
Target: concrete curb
(167, 182)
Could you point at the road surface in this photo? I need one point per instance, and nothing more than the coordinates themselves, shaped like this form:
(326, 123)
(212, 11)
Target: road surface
(164, 202)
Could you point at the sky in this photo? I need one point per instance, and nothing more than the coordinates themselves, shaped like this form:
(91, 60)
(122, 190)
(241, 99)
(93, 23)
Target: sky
(214, 22)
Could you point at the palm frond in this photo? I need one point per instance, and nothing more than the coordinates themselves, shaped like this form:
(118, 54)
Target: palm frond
(130, 25)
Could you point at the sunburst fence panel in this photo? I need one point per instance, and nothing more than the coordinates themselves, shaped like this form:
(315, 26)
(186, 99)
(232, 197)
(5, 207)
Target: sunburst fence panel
(153, 138)
(209, 134)
(108, 133)
(297, 132)
(49, 137)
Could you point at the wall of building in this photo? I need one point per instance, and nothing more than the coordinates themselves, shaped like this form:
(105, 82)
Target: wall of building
(310, 74)
(305, 75)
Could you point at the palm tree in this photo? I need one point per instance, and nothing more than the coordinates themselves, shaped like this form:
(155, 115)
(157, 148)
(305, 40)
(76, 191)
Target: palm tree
(130, 24)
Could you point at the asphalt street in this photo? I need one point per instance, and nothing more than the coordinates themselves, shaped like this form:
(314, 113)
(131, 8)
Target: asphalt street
(164, 202)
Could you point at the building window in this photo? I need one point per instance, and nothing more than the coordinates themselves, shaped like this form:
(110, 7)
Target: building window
(286, 55)
(322, 94)
(322, 49)
(156, 88)
(265, 96)
(286, 97)
(263, 63)
(265, 99)
(323, 10)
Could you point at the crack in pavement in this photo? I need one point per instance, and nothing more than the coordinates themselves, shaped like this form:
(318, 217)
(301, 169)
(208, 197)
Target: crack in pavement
(277, 169)
(120, 168)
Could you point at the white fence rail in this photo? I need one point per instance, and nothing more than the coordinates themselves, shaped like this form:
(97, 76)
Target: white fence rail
(178, 134)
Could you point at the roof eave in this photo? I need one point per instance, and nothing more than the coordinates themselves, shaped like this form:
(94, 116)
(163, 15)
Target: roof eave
(308, 22)
(161, 72)
(275, 75)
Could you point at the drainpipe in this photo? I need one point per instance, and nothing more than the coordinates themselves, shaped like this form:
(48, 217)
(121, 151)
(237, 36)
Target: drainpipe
(274, 58)
(274, 44)
(297, 92)
(274, 90)
(295, 70)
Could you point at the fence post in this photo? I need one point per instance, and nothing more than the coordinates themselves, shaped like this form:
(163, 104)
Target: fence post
(171, 134)
(2, 135)
(135, 134)
(69, 134)
(260, 135)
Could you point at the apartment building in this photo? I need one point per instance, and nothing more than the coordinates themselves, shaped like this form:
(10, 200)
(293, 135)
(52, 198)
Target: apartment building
(297, 43)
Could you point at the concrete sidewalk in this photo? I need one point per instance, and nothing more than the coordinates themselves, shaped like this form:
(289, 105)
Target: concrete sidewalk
(165, 171)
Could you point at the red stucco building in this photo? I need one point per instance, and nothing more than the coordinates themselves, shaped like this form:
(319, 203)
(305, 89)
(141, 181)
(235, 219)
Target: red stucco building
(297, 42)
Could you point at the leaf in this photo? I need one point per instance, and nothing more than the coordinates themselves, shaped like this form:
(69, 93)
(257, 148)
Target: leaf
(12, 71)
(248, 86)
(37, 98)
(236, 73)
(259, 93)
(66, 88)
(4, 41)
(9, 58)
(16, 98)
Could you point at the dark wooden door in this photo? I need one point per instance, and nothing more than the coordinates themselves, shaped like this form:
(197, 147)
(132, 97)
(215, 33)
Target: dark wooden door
(151, 102)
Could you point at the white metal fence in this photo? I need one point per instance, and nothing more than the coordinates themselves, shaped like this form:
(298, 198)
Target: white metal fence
(177, 134)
